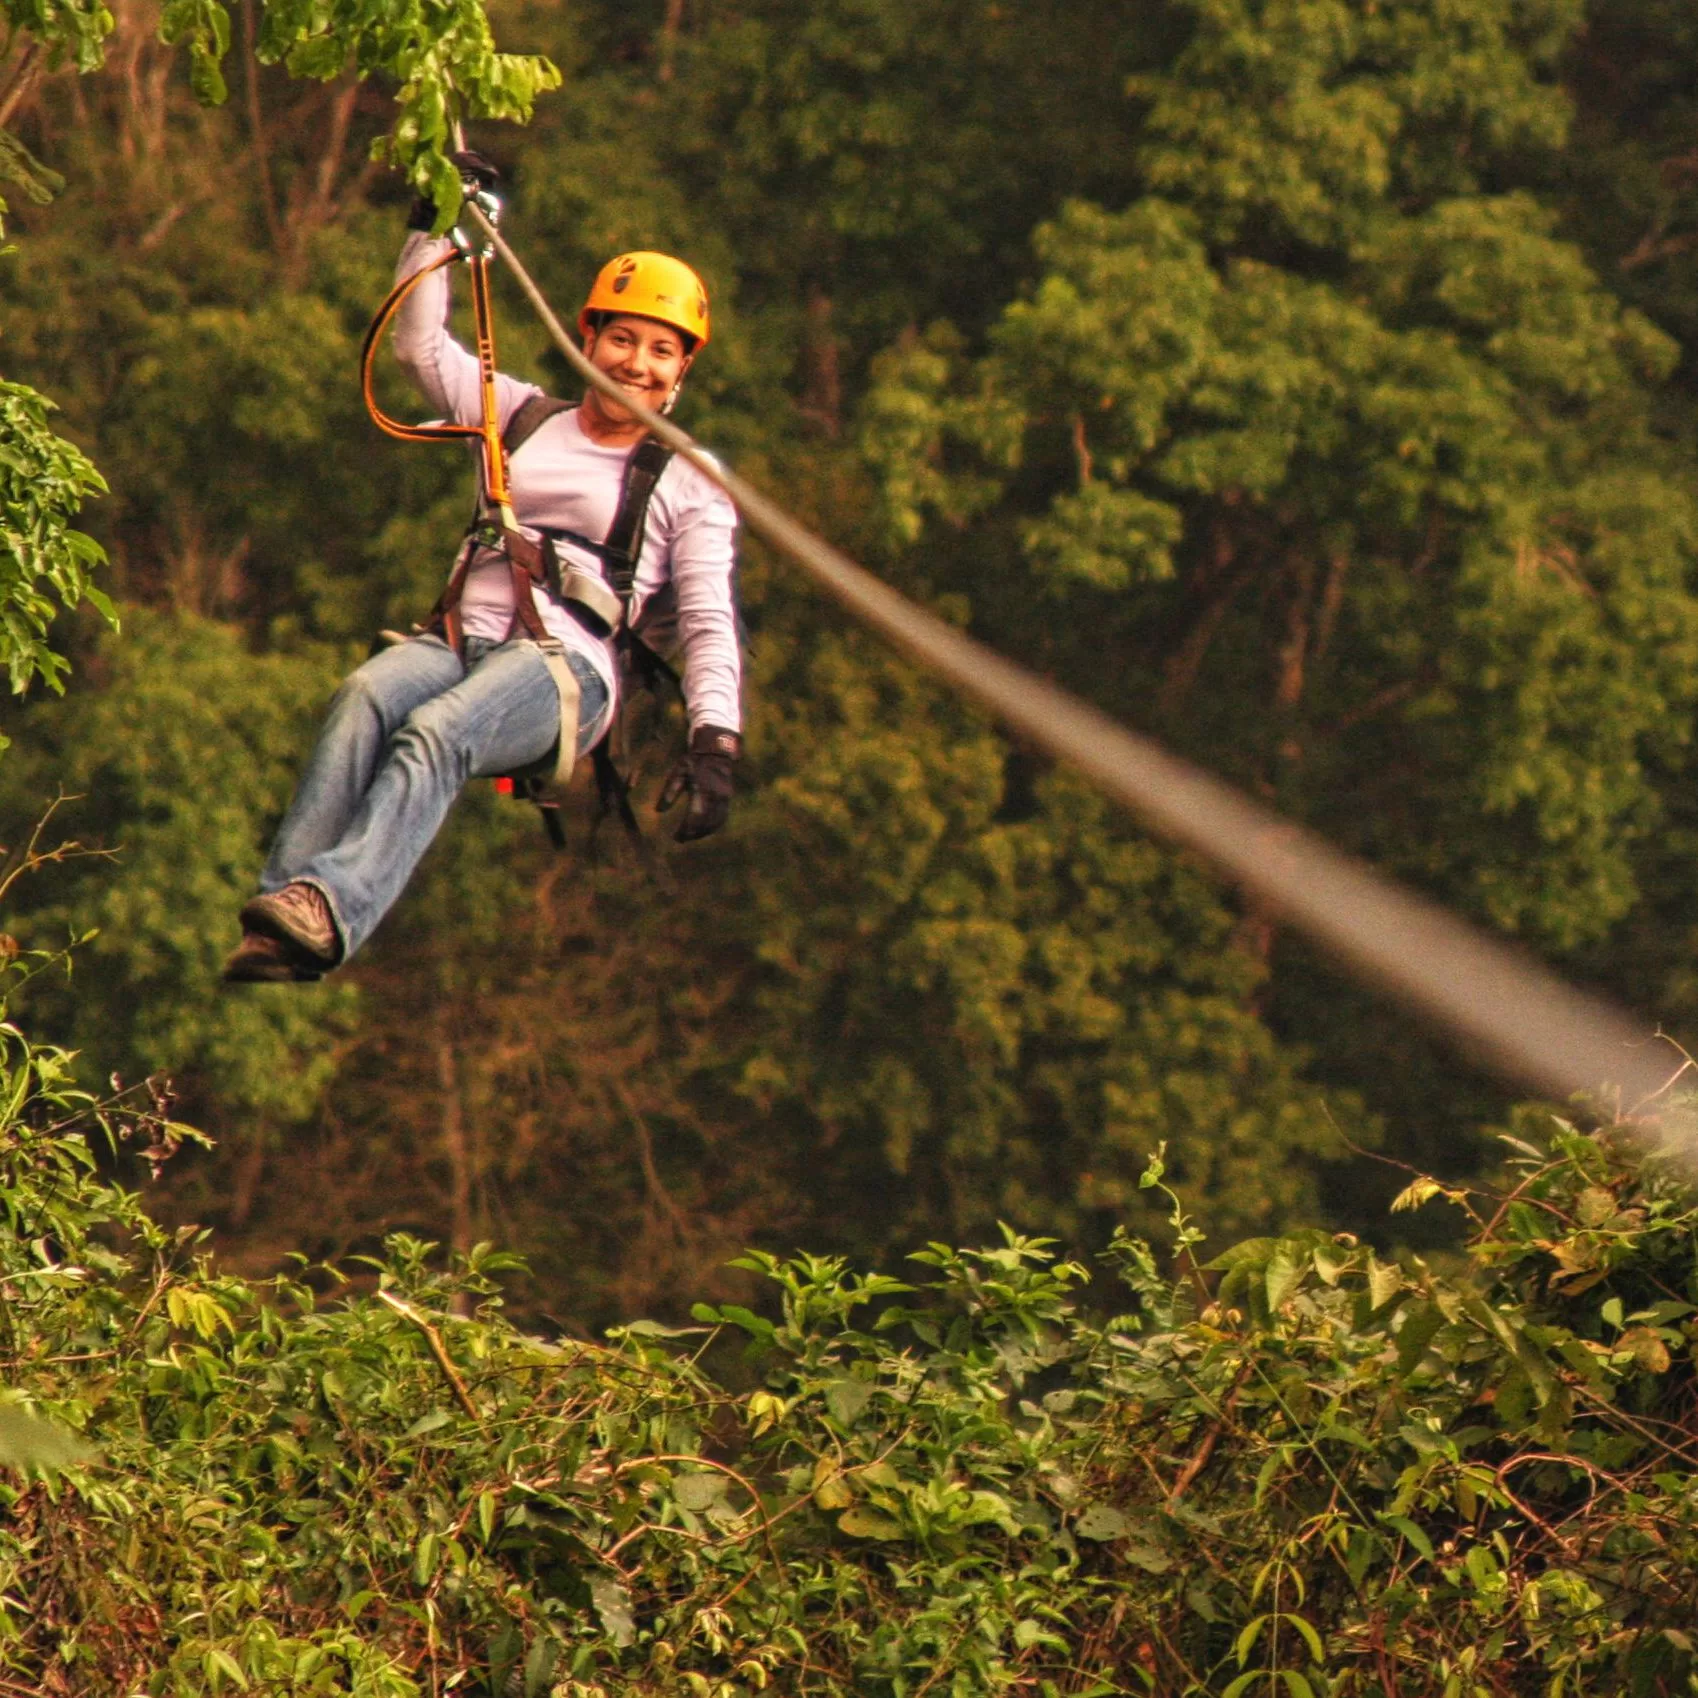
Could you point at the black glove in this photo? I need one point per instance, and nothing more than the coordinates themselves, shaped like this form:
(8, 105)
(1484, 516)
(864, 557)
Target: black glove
(478, 175)
(704, 775)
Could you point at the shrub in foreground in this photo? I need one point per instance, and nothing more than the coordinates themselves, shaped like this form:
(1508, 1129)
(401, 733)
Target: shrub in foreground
(1296, 1469)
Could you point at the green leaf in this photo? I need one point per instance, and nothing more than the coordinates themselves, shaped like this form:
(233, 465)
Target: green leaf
(30, 1442)
(220, 1666)
(1413, 1195)
(1150, 1558)
(1310, 1637)
(319, 57)
(847, 1397)
(1284, 1273)
(864, 1523)
(206, 77)
(18, 165)
(1102, 1522)
(613, 1605)
(1359, 1554)
(833, 1492)
(1412, 1532)
(697, 1492)
(1384, 1282)
(1421, 1324)
(748, 1320)
(1246, 1640)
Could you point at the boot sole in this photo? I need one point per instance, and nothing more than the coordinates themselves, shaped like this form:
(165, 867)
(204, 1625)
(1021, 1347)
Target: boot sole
(269, 975)
(260, 916)
(255, 967)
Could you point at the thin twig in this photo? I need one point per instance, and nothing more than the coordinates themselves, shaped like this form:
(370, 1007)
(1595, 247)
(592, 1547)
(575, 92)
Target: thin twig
(24, 79)
(437, 1349)
(1200, 1456)
(31, 858)
(153, 1297)
(651, 1174)
(708, 1462)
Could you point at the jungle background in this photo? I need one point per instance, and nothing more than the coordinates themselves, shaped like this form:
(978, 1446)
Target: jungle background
(1308, 384)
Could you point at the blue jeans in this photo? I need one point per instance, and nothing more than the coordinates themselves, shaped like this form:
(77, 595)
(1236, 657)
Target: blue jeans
(403, 735)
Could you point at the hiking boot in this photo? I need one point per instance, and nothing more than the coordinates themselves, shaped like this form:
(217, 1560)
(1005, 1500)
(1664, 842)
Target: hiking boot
(299, 917)
(261, 960)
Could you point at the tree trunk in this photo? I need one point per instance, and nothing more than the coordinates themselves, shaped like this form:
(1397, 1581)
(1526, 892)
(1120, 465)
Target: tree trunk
(1213, 586)
(25, 78)
(256, 127)
(669, 37)
(456, 1147)
(315, 208)
(822, 382)
(250, 1169)
(1257, 930)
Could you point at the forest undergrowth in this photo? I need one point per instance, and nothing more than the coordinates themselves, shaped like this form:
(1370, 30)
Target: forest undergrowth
(1292, 1467)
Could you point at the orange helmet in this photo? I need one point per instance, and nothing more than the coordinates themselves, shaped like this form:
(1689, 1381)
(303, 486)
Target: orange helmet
(650, 286)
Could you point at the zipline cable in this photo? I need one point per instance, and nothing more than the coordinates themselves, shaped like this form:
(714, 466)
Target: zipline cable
(1506, 1011)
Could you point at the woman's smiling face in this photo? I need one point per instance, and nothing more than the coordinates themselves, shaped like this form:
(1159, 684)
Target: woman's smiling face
(646, 358)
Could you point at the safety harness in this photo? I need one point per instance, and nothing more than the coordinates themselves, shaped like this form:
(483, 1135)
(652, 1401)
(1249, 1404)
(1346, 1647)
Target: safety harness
(600, 601)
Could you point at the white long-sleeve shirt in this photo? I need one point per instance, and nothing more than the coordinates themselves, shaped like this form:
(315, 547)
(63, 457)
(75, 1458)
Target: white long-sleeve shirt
(562, 479)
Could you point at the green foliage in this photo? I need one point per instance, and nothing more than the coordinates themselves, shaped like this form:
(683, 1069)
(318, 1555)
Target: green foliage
(1430, 468)
(1272, 405)
(1307, 1468)
(178, 766)
(1294, 122)
(72, 31)
(1326, 458)
(45, 563)
(443, 62)
(440, 58)
(995, 1002)
(1625, 184)
(20, 167)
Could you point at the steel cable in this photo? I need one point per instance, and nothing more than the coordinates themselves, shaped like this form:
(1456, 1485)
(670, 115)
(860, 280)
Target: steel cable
(1504, 1009)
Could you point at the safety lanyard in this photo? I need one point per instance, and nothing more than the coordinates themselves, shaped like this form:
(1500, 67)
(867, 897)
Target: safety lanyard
(487, 433)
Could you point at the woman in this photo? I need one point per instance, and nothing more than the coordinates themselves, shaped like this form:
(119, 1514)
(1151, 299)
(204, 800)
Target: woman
(479, 695)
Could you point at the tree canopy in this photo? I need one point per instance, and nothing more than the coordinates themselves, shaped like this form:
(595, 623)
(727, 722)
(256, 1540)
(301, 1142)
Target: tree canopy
(1306, 382)
(1266, 372)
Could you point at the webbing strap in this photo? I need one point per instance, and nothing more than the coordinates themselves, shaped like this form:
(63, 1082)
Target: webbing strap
(557, 775)
(625, 539)
(534, 412)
